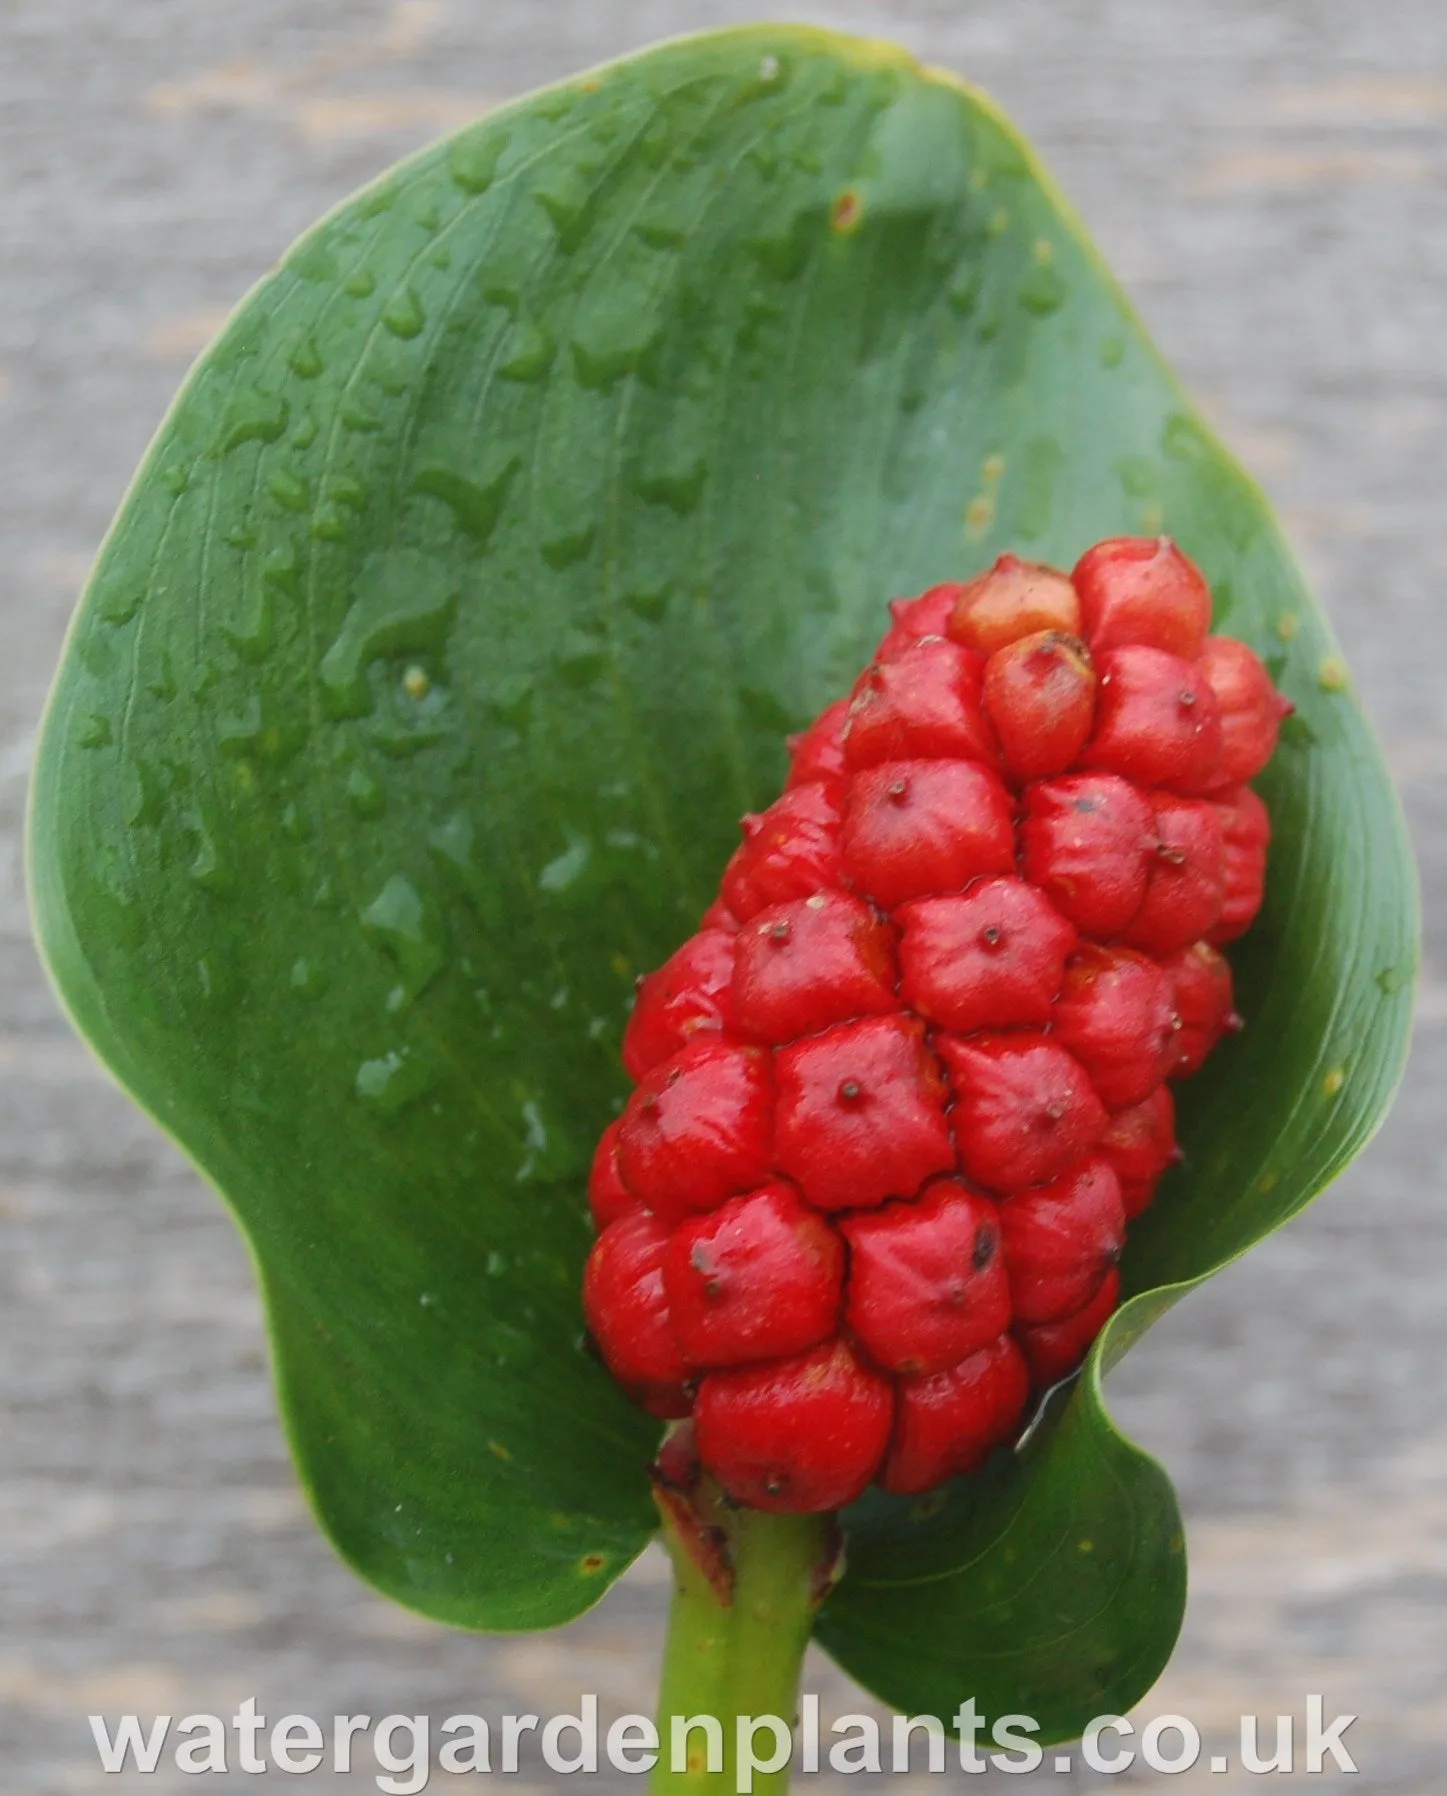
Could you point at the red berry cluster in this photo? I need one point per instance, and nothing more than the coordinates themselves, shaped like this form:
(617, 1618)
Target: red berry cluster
(899, 1096)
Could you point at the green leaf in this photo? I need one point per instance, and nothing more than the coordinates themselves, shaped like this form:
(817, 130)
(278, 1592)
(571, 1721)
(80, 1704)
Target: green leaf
(456, 614)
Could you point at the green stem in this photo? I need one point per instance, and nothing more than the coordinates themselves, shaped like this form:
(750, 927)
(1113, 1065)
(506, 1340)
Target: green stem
(739, 1657)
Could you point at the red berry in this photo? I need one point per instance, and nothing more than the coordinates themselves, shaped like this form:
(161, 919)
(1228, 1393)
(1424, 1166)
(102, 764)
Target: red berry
(1139, 589)
(927, 1282)
(1202, 994)
(758, 1277)
(686, 997)
(1014, 599)
(627, 1312)
(1039, 697)
(818, 753)
(1188, 876)
(1246, 832)
(991, 957)
(928, 615)
(1062, 1240)
(1140, 1143)
(1087, 842)
(699, 1128)
(861, 1113)
(1251, 707)
(1116, 1015)
(608, 1197)
(718, 916)
(915, 828)
(923, 704)
(948, 1423)
(814, 961)
(1053, 1350)
(1156, 720)
(788, 851)
(795, 1436)
(1024, 1110)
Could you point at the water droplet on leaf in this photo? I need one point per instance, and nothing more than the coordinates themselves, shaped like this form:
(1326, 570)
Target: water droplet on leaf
(473, 156)
(364, 795)
(305, 359)
(476, 505)
(404, 315)
(254, 417)
(309, 978)
(530, 353)
(405, 604)
(394, 1080)
(94, 731)
(406, 928)
(561, 874)
(289, 490)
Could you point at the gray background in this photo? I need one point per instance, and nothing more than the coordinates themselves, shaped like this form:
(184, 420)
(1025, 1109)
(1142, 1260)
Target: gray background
(1269, 177)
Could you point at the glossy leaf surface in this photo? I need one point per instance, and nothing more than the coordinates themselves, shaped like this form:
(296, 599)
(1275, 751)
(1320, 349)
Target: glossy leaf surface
(459, 609)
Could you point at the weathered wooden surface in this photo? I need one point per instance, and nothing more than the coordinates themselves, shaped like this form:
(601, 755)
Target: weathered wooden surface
(1271, 182)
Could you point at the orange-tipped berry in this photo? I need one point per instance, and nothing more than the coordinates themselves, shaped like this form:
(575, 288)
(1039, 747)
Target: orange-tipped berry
(1039, 697)
(1014, 599)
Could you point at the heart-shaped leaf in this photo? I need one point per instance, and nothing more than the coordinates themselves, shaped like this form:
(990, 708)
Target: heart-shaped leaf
(459, 609)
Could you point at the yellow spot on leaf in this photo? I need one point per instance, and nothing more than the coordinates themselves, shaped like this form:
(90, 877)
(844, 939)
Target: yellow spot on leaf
(979, 514)
(847, 212)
